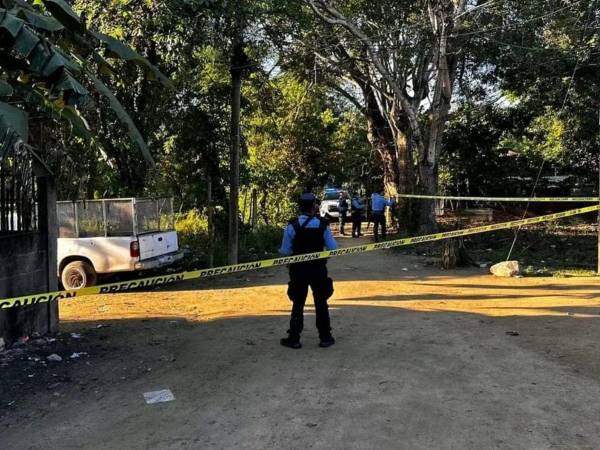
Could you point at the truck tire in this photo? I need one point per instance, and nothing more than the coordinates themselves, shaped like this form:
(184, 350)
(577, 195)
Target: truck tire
(78, 275)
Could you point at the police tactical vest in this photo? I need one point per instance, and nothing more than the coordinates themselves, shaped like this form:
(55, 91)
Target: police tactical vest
(308, 240)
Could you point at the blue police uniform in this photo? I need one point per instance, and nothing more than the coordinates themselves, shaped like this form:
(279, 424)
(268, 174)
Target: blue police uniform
(289, 234)
(378, 205)
(308, 234)
(357, 208)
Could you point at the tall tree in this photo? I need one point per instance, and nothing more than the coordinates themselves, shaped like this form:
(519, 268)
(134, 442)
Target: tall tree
(403, 57)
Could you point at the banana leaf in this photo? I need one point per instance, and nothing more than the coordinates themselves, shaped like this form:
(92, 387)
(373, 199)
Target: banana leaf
(13, 120)
(63, 12)
(6, 89)
(116, 49)
(124, 117)
(25, 42)
(79, 125)
(10, 24)
(69, 114)
(21, 3)
(71, 86)
(41, 22)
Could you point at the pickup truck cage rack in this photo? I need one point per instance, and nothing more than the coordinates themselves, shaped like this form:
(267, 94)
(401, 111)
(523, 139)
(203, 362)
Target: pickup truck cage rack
(114, 217)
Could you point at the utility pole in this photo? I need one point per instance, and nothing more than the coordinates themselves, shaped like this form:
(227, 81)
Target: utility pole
(238, 59)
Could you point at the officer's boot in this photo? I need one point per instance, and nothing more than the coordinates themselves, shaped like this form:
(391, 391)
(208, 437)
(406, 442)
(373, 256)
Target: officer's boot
(325, 338)
(293, 339)
(324, 324)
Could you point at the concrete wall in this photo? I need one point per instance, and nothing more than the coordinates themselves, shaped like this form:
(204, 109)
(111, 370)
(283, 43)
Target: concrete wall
(28, 266)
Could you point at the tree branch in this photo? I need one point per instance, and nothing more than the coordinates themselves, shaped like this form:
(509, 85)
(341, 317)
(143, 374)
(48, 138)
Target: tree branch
(332, 16)
(352, 99)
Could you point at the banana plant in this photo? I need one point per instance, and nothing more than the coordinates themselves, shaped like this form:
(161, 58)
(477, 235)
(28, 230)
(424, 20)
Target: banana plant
(47, 57)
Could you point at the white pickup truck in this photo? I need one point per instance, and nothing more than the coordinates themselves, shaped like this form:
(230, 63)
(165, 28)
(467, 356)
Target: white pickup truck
(114, 235)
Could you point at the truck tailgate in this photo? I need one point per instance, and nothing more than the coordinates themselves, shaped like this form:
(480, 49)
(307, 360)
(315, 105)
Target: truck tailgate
(157, 244)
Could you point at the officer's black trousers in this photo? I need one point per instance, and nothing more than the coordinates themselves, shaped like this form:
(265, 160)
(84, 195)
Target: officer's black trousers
(322, 288)
(356, 223)
(378, 220)
(343, 217)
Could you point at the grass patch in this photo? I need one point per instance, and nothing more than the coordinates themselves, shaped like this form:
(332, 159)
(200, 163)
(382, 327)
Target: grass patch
(559, 249)
(532, 271)
(192, 231)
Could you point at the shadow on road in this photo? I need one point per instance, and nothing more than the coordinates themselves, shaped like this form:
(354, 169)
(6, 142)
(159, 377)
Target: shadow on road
(437, 374)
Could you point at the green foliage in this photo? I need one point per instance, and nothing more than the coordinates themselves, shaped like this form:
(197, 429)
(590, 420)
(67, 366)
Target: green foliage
(491, 150)
(543, 139)
(545, 54)
(261, 243)
(46, 56)
(527, 91)
(192, 231)
(298, 136)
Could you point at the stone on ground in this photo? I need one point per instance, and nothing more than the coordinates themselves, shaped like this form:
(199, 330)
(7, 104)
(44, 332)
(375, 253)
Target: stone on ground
(506, 269)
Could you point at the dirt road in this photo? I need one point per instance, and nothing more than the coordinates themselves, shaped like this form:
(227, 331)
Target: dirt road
(423, 360)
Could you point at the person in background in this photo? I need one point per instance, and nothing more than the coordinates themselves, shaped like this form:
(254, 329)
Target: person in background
(378, 205)
(343, 210)
(308, 233)
(357, 208)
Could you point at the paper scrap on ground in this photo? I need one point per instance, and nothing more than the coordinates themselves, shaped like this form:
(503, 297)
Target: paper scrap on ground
(164, 395)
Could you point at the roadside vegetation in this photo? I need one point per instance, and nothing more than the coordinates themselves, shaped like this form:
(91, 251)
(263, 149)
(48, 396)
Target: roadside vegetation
(510, 95)
(564, 249)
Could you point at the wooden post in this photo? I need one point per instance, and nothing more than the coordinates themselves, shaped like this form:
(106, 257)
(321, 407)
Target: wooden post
(49, 229)
(244, 207)
(254, 209)
(211, 225)
(45, 316)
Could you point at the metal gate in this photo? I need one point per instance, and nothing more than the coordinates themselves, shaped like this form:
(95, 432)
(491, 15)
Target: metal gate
(18, 192)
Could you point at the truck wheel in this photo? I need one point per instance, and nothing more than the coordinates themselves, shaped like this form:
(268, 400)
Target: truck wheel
(78, 275)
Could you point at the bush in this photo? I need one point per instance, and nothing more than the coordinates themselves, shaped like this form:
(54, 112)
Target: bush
(262, 243)
(192, 231)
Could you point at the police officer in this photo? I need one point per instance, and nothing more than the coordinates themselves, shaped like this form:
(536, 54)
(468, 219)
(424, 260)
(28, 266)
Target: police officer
(343, 211)
(357, 207)
(308, 233)
(378, 205)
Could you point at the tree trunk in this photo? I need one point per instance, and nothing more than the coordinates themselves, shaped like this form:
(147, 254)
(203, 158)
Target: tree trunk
(391, 145)
(449, 257)
(405, 178)
(428, 185)
(442, 24)
(263, 207)
(236, 69)
(380, 137)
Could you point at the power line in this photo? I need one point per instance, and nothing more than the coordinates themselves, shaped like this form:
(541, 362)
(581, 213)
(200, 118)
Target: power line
(389, 31)
(567, 94)
(381, 47)
(509, 27)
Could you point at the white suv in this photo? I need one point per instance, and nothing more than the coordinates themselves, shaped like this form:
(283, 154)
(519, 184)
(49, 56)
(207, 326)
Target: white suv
(329, 204)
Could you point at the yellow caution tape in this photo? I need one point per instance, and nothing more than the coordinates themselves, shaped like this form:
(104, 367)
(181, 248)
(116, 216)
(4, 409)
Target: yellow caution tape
(164, 280)
(504, 199)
